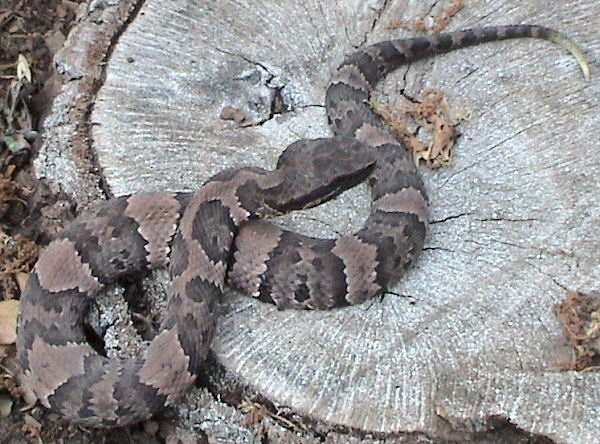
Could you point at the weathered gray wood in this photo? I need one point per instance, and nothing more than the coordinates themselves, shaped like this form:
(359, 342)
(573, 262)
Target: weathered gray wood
(515, 217)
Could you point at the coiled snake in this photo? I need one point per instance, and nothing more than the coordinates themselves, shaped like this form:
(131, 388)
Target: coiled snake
(214, 234)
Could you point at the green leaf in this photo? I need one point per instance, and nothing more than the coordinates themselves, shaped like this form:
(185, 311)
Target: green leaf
(12, 144)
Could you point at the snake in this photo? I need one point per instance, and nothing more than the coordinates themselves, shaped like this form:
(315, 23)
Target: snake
(219, 235)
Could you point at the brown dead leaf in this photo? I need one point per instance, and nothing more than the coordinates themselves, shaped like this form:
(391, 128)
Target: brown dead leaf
(445, 15)
(9, 311)
(420, 25)
(254, 412)
(8, 172)
(8, 192)
(17, 256)
(444, 138)
(12, 379)
(31, 427)
(395, 24)
(8, 384)
(5, 16)
(15, 24)
(431, 113)
(231, 113)
(437, 22)
(579, 316)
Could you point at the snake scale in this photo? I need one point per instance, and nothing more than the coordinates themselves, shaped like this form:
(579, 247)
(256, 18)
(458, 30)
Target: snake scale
(218, 234)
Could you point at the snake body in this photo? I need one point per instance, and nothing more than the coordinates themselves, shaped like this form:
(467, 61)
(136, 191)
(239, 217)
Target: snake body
(219, 233)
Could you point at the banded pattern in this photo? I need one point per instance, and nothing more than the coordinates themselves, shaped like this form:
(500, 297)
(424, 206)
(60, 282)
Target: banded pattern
(130, 234)
(196, 236)
(286, 263)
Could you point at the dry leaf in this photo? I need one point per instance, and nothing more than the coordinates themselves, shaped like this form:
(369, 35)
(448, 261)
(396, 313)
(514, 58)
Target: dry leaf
(6, 403)
(231, 113)
(444, 138)
(21, 280)
(10, 169)
(395, 23)
(16, 24)
(579, 315)
(9, 311)
(442, 20)
(23, 70)
(433, 114)
(430, 24)
(5, 16)
(17, 254)
(254, 411)
(32, 427)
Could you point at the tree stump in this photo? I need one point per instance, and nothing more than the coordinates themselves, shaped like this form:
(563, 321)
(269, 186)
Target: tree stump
(469, 340)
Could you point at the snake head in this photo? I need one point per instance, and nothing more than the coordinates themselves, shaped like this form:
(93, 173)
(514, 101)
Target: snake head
(314, 171)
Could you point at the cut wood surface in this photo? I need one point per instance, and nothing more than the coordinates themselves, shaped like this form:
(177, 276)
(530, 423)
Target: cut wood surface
(468, 341)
